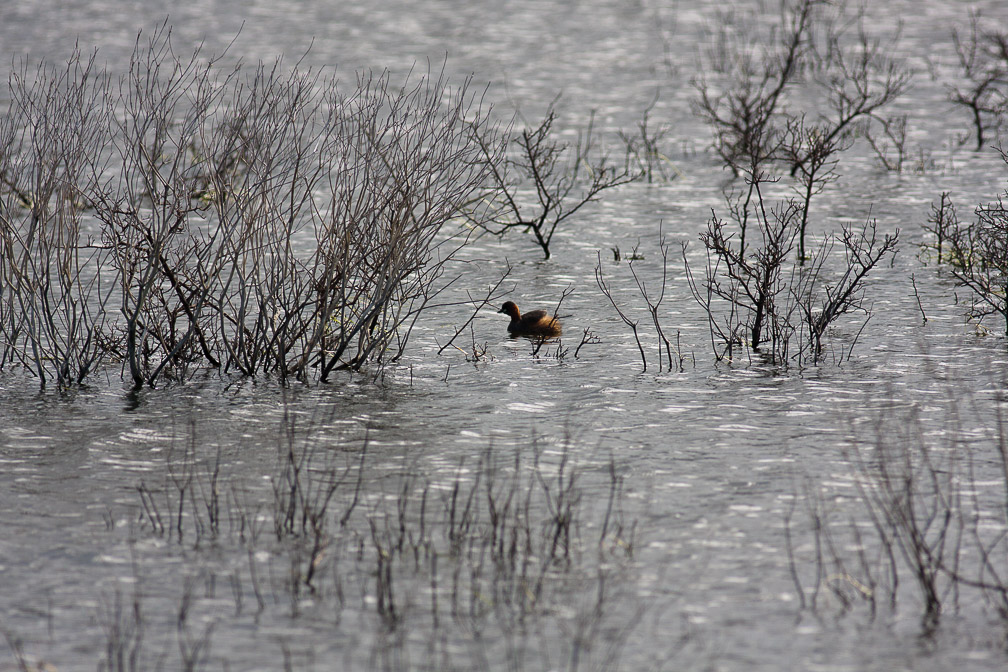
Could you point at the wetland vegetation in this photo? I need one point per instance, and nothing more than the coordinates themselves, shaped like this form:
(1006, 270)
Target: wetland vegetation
(252, 398)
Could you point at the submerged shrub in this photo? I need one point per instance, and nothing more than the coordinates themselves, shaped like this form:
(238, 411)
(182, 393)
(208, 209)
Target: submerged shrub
(935, 502)
(761, 296)
(264, 222)
(976, 252)
(526, 554)
(53, 290)
(750, 92)
(542, 181)
(982, 91)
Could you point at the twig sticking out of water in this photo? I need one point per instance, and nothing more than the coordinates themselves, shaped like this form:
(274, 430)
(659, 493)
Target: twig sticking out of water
(920, 306)
(491, 295)
(600, 281)
(538, 343)
(588, 338)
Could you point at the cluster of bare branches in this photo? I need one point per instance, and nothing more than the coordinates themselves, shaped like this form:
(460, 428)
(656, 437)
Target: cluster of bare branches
(976, 253)
(743, 113)
(823, 300)
(644, 150)
(186, 216)
(761, 134)
(497, 546)
(760, 296)
(940, 223)
(670, 356)
(55, 282)
(932, 517)
(747, 105)
(762, 285)
(543, 181)
(983, 92)
(127, 624)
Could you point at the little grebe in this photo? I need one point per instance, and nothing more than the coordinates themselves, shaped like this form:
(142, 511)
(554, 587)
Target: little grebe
(533, 324)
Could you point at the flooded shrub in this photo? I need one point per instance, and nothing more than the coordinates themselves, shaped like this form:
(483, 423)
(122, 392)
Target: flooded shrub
(976, 253)
(983, 90)
(751, 281)
(743, 113)
(936, 506)
(744, 94)
(54, 282)
(265, 222)
(748, 96)
(762, 289)
(511, 546)
(824, 295)
(763, 297)
(670, 355)
(542, 181)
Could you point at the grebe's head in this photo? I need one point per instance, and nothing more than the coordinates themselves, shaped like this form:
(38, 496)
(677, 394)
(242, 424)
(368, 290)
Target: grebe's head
(509, 308)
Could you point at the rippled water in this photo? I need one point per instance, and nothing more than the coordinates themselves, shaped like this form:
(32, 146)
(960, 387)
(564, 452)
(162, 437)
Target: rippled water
(714, 457)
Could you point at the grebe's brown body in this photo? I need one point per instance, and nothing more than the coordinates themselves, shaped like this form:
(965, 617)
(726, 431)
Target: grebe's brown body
(533, 324)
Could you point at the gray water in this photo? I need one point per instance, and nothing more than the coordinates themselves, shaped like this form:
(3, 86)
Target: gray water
(713, 458)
